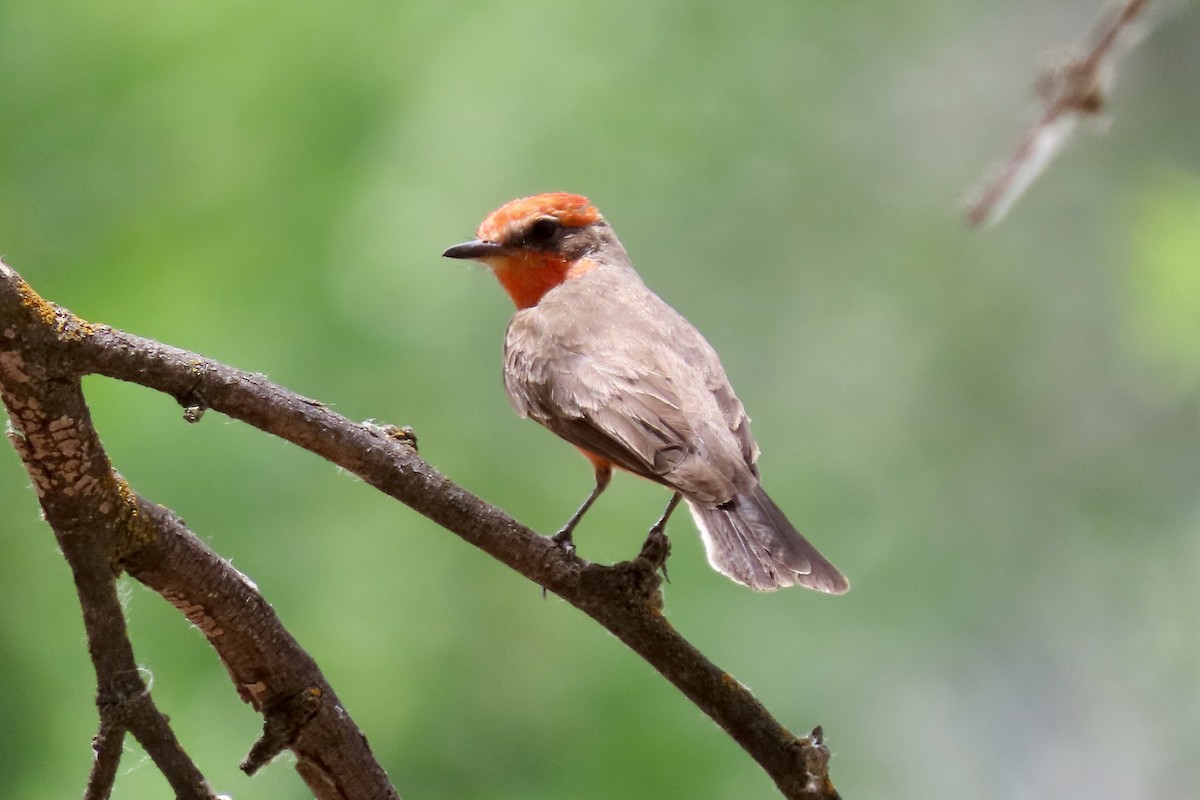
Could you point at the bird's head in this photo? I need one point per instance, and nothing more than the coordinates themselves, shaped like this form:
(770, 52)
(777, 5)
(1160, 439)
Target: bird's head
(535, 243)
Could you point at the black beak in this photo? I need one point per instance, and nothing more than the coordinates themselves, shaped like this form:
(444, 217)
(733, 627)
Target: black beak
(476, 249)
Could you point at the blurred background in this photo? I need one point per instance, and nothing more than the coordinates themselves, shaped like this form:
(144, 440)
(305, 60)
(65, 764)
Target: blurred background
(995, 434)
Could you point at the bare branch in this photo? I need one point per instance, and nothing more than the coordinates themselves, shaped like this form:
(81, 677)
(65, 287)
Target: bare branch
(81, 496)
(625, 598)
(1071, 92)
(103, 526)
(269, 668)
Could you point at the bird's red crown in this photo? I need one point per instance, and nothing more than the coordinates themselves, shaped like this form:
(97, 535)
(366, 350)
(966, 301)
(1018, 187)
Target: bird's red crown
(571, 210)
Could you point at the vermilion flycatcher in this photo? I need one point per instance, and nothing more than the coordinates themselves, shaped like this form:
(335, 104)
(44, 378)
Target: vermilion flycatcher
(603, 362)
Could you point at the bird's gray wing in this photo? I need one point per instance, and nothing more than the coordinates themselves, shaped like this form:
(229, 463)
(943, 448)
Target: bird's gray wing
(632, 412)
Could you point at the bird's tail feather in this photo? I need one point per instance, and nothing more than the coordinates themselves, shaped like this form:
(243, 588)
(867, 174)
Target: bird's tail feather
(750, 540)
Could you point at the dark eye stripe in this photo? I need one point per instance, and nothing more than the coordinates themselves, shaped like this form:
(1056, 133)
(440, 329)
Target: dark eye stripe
(542, 229)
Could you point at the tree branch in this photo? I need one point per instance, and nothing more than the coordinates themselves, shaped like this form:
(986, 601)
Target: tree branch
(80, 494)
(624, 598)
(103, 526)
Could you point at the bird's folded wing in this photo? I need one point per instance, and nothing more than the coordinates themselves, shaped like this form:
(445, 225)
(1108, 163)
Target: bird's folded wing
(633, 420)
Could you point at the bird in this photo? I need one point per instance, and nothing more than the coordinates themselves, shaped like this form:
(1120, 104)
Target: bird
(602, 361)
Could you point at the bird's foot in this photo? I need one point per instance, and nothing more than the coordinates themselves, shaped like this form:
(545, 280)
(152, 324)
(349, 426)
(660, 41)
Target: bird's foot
(656, 549)
(565, 542)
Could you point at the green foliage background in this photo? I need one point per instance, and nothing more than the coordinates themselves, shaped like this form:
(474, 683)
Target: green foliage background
(994, 434)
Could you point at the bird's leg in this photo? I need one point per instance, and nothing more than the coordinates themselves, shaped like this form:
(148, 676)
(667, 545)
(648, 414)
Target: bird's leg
(661, 525)
(563, 537)
(657, 546)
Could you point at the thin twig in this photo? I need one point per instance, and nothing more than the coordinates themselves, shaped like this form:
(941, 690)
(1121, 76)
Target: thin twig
(1070, 93)
(107, 746)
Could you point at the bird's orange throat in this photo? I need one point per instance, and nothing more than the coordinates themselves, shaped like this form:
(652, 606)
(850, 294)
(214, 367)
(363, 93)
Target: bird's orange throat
(527, 278)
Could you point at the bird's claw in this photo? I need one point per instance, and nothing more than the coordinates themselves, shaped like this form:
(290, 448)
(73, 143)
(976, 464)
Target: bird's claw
(655, 551)
(565, 542)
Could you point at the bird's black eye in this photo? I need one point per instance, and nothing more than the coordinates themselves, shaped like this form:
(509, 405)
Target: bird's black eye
(542, 230)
